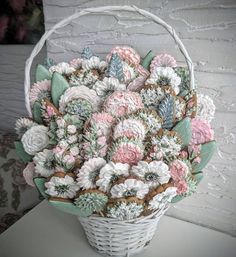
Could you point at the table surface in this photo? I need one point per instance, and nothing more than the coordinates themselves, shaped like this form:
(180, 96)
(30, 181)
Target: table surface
(47, 232)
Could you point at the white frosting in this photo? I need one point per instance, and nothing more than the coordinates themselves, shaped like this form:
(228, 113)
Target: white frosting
(79, 92)
(62, 68)
(165, 72)
(93, 63)
(42, 161)
(35, 139)
(108, 172)
(154, 173)
(53, 187)
(139, 188)
(128, 127)
(205, 107)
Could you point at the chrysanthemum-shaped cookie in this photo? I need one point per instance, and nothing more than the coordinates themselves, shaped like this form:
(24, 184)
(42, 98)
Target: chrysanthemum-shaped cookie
(154, 173)
(126, 150)
(62, 68)
(168, 143)
(165, 76)
(90, 201)
(121, 103)
(39, 91)
(110, 173)
(88, 173)
(205, 107)
(129, 187)
(132, 127)
(151, 118)
(80, 92)
(125, 209)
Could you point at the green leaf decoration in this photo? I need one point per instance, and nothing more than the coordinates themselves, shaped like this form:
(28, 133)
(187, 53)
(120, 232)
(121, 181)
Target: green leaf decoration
(115, 67)
(58, 87)
(42, 73)
(166, 111)
(147, 60)
(183, 128)
(68, 208)
(37, 112)
(48, 62)
(39, 183)
(184, 86)
(178, 198)
(198, 177)
(25, 157)
(207, 151)
(87, 53)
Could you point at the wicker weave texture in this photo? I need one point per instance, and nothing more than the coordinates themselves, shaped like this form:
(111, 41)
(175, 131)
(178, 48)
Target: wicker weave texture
(117, 238)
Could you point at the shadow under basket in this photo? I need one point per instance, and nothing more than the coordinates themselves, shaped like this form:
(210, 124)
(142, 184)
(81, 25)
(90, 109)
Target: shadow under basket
(111, 237)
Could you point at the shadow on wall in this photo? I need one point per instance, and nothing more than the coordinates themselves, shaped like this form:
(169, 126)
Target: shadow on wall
(21, 21)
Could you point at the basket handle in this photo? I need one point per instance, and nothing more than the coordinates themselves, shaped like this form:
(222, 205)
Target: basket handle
(103, 9)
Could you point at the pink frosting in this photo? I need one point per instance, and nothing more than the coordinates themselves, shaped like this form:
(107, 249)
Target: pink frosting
(201, 132)
(128, 153)
(178, 170)
(182, 187)
(163, 60)
(29, 173)
(121, 103)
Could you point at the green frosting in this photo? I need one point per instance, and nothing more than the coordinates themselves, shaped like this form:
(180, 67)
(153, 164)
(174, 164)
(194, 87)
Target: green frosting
(79, 107)
(89, 203)
(25, 157)
(42, 73)
(39, 183)
(183, 128)
(184, 86)
(37, 112)
(147, 60)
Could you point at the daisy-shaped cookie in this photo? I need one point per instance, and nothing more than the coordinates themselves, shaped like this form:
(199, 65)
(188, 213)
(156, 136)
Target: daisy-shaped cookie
(129, 187)
(88, 173)
(62, 187)
(154, 173)
(110, 173)
(44, 165)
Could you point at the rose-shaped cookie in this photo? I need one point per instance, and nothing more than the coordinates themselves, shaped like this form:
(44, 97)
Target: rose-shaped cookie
(35, 139)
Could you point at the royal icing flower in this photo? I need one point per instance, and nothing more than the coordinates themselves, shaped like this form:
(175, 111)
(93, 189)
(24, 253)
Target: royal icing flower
(39, 91)
(165, 76)
(130, 128)
(127, 54)
(62, 68)
(110, 173)
(103, 121)
(201, 131)
(161, 199)
(130, 187)
(121, 103)
(86, 176)
(91, 201)
(108, 85)
(61, 187)
(163, 60)
(130, 73)
(80, 92)
(22, 125)
(76, 63)
(154, 173)
(35, 139)
(127, 151)
(44, 163)
(178, 170)
(205, 107)
(93, 63)
(29, 173)
(125, 210)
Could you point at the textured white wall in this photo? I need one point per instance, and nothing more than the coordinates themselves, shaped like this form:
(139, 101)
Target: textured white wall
(208, 29)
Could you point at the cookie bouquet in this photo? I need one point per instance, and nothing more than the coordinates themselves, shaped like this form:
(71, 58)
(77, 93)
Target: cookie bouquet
(115, 141)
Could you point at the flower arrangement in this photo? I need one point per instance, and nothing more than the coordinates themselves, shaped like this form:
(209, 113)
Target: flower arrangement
(120, 138)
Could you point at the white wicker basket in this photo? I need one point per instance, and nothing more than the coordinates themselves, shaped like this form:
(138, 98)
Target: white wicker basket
(112, 237)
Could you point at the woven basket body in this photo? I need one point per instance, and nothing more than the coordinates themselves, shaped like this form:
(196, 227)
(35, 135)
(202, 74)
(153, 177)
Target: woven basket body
(112, 237)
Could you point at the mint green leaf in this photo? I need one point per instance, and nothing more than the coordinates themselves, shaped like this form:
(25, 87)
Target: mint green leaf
(39, 183)
(147, 60)
(25, 157)
(37, 113)
(42, 73)
(183, 128)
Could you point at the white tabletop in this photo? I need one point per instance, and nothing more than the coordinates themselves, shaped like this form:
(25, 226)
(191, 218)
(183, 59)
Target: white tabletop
(46, 232)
